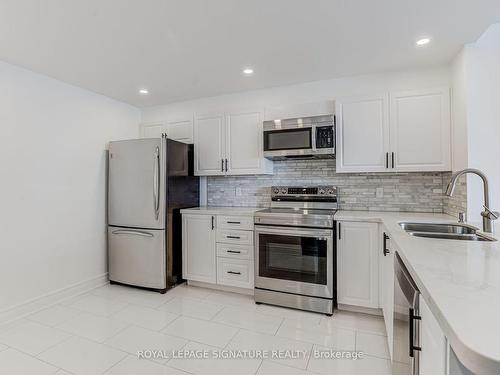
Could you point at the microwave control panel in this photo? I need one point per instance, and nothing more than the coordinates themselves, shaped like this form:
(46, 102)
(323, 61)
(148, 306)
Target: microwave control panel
(324, 137)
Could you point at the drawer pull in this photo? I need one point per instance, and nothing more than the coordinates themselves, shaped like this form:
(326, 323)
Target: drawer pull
(234, 251)
(234, 273)
(235, 237)
(234, 222)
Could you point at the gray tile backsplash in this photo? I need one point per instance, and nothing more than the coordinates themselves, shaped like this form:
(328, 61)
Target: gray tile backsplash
(416, 192)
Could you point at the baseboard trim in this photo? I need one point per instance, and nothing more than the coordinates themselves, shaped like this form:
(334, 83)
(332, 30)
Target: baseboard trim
(49, 299)
(232, 289)
(359, 309)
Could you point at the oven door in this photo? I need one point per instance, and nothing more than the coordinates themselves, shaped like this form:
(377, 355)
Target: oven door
(294, 260)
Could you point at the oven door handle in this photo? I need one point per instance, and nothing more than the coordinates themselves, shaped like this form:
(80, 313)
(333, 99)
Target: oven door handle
(295, 231)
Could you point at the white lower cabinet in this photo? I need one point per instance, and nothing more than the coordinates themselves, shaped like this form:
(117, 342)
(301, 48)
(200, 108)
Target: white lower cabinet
(198, 248)
(235, 222)
(386, 291)
(235, 236)
(216, 250)
(357, 264)
(235, 251)
(433, 356)
(365, 279)
(235, 272)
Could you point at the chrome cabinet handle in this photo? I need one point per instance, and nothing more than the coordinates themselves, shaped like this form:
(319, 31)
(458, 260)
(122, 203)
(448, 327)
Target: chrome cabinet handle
(213, 223)
(392, 160)
(226, 165)
(386, 250)
(133, 232)
(156, 183)
(234, 273)
(233, 222)
(235, 237)
(234, 251)
(222, 165)
(387, 160)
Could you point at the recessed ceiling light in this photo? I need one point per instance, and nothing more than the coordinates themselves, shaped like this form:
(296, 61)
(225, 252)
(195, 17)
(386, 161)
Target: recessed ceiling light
(423, 41)
(143, 91)
(248, 71)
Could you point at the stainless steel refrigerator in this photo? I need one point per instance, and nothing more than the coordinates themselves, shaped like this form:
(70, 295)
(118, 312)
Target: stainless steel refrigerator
(149, 181)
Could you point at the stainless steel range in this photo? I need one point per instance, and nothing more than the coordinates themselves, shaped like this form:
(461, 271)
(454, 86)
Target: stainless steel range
(295, 250)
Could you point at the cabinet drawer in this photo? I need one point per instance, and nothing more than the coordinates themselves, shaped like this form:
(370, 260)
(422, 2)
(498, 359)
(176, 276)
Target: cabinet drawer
(241, 237)
(235, 251)
(235, 222)
(235, 272)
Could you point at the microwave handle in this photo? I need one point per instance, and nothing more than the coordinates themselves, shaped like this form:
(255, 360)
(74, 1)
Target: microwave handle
(313, 138)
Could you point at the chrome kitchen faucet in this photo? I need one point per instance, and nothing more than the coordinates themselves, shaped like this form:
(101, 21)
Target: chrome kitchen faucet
(488, 215)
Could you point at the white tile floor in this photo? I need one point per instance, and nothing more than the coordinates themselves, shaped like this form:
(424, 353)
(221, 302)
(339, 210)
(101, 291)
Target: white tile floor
(101, 332)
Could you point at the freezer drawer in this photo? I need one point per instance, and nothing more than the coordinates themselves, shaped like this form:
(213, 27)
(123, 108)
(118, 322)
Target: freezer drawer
(137, 257)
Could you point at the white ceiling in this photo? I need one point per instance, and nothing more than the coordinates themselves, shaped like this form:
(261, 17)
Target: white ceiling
(183, 49)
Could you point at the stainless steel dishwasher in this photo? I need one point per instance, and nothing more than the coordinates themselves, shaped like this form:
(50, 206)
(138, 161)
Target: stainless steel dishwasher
(407, 321)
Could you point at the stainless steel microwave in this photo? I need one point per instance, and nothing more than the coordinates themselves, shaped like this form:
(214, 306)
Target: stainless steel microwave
(300, 138)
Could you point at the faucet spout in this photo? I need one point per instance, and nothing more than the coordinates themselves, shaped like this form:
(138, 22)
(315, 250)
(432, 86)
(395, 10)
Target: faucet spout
(487, 215)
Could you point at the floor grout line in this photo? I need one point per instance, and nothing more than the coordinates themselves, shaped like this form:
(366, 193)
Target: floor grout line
(298, 322)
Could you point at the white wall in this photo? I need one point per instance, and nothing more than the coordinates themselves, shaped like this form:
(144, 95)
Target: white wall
(304, 93)
(476, 77)
(460, 153)
(52, 182)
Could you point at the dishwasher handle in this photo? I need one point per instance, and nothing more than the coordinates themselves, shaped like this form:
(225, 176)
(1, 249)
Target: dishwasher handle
(414, 323)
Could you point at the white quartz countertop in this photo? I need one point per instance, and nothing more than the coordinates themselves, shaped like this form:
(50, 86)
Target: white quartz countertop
(460, 281)
(220, 210)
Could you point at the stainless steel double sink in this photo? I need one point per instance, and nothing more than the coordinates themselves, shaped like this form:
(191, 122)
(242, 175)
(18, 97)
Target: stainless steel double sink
(446, 231)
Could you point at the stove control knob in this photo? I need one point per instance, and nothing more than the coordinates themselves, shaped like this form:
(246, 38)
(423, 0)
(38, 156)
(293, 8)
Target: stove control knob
(321, 191)
(284, 190)
(330, 192)
(276, 190)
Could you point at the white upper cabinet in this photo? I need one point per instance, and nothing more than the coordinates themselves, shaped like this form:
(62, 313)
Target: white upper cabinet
(297, 110)
(209, 145)
(179, 129)
(362, 134)
(420, 130)
(230, 144)
(401, 132)
(153, 130)
(244, 148)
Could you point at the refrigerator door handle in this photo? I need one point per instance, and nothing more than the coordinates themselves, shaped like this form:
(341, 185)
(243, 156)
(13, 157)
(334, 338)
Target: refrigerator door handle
(156, 183)
(134, 232)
